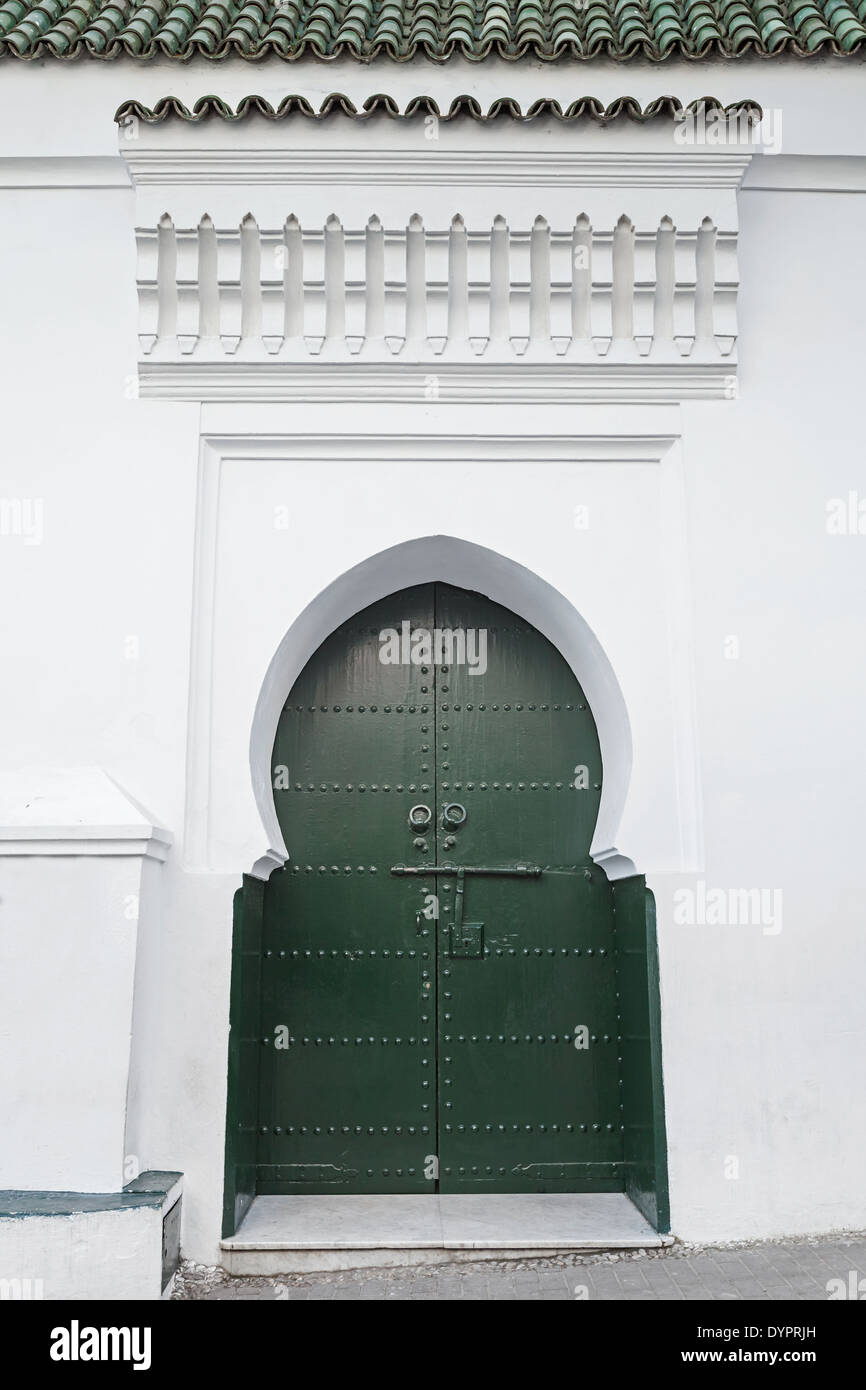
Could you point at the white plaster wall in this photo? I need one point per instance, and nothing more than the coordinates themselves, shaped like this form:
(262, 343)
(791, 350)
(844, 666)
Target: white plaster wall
(763, 1034)
(186, 1121)
(143, 1096)
(47, 109)
(100, 608)
(772, 1026)
(67, 964)
(113, 1255)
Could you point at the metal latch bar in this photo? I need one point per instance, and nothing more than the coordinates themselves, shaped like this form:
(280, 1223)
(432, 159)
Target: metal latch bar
(511, 870)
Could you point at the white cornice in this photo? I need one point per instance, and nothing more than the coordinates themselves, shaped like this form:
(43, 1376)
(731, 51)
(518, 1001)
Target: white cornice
(228, 436)
(98, 841)
(74, 811)
(318, 382)
(428, 153)
(194, 166)
(807, 174)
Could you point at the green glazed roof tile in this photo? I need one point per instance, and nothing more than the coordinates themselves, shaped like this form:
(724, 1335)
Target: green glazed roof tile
(436, 29)
(461, 108)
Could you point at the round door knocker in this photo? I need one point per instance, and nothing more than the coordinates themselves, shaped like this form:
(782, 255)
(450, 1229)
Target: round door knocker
(454, 814)
(420, 817)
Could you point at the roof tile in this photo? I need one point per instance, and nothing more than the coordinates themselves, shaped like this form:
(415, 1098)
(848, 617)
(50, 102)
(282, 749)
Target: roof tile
(436, 29)
(462, 107)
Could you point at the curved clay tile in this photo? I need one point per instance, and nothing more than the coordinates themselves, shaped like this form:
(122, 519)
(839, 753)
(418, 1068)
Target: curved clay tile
(461, 108)
(546, 30)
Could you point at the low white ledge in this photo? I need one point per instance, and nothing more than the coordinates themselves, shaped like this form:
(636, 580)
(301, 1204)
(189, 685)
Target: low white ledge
(74, 811)
(64, 171)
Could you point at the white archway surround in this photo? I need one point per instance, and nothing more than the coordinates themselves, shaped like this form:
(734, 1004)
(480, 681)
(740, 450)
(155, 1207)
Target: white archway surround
(471, 567)
(430, 499)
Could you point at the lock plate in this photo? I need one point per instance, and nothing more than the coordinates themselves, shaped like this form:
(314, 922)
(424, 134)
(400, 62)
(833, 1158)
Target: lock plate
(467, 940)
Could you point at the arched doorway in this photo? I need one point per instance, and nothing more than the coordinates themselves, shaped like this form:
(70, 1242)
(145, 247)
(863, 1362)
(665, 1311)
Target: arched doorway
(441, 990)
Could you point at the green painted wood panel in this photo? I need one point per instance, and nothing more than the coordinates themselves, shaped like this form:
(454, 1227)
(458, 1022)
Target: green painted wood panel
(522, 1108)
(242, 1108)
(643, 1095)
(350, 1103)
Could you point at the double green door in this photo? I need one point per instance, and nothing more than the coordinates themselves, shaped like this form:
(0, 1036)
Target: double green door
(438, 990)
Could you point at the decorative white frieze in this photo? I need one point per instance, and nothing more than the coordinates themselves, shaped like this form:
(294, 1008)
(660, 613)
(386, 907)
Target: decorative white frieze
(343, 261)
(371, 292)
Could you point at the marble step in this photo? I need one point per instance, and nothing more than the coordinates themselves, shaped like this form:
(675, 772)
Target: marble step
(285, 1235)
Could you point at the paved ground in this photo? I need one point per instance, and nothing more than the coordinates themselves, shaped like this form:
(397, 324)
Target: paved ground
(792, 1269)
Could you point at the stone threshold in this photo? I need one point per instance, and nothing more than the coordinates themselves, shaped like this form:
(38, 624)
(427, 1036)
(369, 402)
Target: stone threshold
(297, 1235)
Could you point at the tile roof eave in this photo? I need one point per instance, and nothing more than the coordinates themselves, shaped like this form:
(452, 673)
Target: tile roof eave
(437, 31)
(461, 107)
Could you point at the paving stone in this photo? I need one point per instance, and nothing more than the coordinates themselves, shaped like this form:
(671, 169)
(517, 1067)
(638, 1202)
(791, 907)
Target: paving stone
(770, 1271)
(686, 1277)
(595, 1287)
(806, 1287)
(662, 1285)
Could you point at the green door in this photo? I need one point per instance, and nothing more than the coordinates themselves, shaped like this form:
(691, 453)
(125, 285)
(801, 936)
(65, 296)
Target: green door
(528, 1096)
(438, 989)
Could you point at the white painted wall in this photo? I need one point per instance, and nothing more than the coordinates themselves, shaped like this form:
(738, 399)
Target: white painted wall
(774, 1024)
(79, 877)
(63, 112)
(67, 1012)
(747, 773)
(111, 1255)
